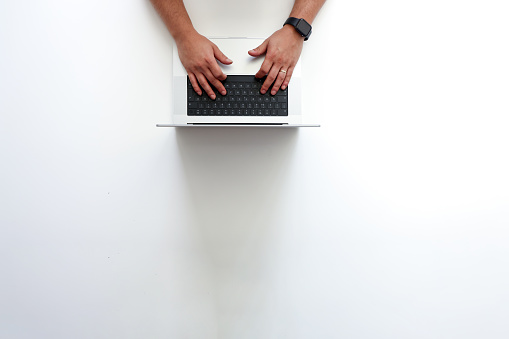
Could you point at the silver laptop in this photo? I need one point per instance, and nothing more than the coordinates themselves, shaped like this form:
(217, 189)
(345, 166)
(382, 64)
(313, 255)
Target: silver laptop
(208, 113)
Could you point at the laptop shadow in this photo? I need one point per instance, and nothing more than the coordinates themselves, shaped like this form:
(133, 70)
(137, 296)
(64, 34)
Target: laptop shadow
(235, 179)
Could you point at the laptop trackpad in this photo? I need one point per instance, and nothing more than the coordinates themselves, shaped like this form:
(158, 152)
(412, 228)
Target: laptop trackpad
(236, 49)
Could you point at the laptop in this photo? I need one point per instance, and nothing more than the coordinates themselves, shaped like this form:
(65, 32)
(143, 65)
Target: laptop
(243, 105)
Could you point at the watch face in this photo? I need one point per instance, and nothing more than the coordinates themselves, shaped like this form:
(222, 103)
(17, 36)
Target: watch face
(303, 27)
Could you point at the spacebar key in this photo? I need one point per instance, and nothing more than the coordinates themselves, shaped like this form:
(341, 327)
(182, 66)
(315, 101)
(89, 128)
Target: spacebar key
(240, 78)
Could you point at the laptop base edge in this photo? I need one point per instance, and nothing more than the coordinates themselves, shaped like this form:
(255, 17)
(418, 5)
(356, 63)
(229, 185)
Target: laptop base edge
(238, 125)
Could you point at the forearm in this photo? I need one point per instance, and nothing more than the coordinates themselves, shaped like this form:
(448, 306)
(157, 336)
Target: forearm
(306, 9)
(175, 17)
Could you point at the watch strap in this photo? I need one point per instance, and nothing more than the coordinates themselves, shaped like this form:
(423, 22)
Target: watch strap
(294, 22)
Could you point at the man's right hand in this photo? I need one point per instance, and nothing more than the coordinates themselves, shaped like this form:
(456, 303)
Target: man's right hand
(198, 56)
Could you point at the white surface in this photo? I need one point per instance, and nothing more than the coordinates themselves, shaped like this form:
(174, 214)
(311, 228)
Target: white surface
(389, 221)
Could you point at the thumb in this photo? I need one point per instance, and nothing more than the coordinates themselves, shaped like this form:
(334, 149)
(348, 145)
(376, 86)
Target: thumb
(221, 57)
(259, 50)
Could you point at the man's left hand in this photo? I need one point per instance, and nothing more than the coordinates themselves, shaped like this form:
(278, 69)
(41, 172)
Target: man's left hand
(282, 51)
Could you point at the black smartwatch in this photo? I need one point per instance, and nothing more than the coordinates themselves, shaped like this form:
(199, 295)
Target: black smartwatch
(301, 26)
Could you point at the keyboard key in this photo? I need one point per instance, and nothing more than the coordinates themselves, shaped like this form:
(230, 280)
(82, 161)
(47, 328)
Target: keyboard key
(243, 98)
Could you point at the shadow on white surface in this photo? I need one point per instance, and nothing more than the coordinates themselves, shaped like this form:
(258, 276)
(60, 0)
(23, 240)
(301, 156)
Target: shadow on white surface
(236, 178)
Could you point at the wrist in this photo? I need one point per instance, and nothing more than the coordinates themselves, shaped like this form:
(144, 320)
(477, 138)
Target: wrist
(300, 25)
(185, 35)
(293, 32)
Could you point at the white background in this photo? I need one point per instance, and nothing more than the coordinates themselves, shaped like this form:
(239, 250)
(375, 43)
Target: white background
(390, 221)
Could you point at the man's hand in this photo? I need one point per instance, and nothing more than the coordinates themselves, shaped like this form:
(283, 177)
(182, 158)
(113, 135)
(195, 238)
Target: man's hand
(198, 56)
(282, 51)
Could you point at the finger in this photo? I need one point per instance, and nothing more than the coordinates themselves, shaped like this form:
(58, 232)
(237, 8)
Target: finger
(259, 50)
(270, 78)
(215, 82)
(216, 71)
(264, 69)
(289, 73)
(205, 85)
(279, 80)
(194, 83)
(220, 56)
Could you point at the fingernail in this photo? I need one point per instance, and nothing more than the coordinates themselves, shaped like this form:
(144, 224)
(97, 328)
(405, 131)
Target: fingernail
(273, 92)
(213, 96)
(263, 91)
(223, 92)
(283, 87)
(228, 60)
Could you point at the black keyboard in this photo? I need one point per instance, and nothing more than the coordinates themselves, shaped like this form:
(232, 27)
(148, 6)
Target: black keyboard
(243, 98)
